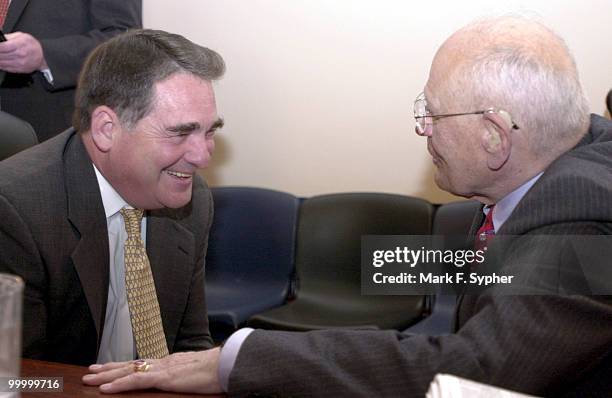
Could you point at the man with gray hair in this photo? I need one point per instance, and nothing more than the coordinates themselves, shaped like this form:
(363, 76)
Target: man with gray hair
(507, 124)
(108, 222)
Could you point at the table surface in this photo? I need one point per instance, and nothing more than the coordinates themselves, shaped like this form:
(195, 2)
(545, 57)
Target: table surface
(73, 387)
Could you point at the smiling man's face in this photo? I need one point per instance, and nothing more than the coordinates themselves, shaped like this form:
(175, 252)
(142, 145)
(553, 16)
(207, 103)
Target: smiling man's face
(152, 165)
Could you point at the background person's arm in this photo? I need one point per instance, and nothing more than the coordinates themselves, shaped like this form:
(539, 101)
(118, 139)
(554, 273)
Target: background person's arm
(65, 55)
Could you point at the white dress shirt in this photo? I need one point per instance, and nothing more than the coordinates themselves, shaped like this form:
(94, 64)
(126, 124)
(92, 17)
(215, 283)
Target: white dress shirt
(117, 339)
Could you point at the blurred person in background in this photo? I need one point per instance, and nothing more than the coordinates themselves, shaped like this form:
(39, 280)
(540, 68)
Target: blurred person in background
(46, 44)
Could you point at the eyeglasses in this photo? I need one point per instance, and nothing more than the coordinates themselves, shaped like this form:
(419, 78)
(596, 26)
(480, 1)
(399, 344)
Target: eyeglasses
(425, 120)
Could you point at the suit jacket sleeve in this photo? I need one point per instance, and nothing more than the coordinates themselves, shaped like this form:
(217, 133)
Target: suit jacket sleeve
(528, 344)
(19, 256)
(534, 344)
(65, 55)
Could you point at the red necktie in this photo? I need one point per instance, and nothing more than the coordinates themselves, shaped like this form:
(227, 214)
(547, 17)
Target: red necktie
(486, 232)
(4, 6)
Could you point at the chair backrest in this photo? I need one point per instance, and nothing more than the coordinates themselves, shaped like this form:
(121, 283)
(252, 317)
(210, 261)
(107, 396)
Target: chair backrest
(455, 218)
(15, 135)
(328, 253)
(252, 238)
(452, 220)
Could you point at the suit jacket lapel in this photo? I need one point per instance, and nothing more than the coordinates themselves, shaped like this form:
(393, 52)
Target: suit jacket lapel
(171, 250)
(86, 214)
(15, 10)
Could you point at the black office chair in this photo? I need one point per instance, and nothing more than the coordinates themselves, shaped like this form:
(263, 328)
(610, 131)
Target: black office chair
(453, 220)
(328, 264)
(15, 135)
(609, 102)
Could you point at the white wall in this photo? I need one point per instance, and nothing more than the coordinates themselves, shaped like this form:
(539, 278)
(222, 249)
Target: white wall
(318, 93)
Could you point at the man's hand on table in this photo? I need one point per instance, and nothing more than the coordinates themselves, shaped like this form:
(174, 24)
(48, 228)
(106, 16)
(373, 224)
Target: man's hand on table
(194, 372)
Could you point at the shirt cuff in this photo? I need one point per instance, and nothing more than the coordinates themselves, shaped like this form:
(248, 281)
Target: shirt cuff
(48, 75)
(229, 353)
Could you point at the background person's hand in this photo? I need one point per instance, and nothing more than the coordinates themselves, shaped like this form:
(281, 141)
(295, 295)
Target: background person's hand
(21, 53)
(193, 372)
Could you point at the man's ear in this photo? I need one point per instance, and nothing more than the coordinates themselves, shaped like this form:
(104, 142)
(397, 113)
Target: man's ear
(104, 125)
(497, 138)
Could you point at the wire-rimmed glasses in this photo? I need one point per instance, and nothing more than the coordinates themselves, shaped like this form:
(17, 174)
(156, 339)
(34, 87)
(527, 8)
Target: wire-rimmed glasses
(425, 120)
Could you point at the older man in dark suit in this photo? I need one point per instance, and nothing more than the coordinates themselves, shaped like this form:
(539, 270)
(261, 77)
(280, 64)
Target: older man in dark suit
(506, 123)
(47, 42)
(72, 208)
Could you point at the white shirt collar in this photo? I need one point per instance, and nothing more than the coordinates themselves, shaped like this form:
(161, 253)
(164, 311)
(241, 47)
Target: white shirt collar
(112, 201)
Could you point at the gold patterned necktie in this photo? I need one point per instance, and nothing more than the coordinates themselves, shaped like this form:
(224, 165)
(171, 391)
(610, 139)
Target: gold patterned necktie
(140, 288)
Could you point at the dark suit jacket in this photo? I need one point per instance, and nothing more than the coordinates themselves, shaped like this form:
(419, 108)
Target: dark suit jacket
(67, 30)
(53, 234)
(544, 345)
